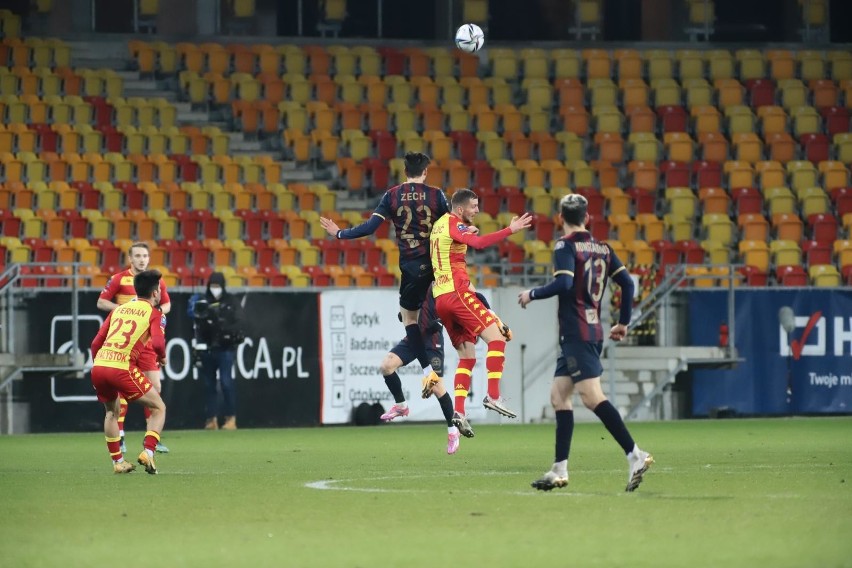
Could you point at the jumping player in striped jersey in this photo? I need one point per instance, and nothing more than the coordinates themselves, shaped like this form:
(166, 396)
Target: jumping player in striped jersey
(412, 207)
(401, 355)
(582, 269)
(464, 315)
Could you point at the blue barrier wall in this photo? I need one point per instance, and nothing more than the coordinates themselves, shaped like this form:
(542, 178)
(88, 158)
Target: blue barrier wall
(819, 353)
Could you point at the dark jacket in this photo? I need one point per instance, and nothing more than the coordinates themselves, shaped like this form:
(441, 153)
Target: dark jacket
(218, 322)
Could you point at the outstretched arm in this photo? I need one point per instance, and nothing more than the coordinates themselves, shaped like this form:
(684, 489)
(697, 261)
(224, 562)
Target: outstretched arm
(366, 228)
(464, 234)
(563, 276)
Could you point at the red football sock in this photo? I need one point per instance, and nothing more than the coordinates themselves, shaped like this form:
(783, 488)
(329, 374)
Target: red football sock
(494, 364)
(147, 412)
(114, 447)
(462, 382)
(151, 439)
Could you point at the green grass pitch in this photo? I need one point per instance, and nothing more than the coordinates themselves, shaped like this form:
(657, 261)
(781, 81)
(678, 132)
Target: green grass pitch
(722, 493)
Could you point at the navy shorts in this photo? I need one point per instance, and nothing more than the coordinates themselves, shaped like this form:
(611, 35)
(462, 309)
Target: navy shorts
(416, 277)
(579, 360)
(406, 353)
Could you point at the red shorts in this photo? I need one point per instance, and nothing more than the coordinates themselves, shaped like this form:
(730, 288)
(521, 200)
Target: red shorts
(463, 315)
(113, 383)
(147, 360)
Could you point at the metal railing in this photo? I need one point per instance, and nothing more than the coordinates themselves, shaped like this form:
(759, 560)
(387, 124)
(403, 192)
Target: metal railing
(12, 284)
(674, 279)
(63, 274)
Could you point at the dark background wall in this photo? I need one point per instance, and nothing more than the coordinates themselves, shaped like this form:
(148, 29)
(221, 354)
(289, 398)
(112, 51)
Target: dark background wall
(510, 20)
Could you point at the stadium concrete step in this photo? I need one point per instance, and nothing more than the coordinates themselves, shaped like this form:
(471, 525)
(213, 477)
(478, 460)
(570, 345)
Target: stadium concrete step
(100, 55)
(34, 359)
(186, 115)
(239, 144)
(654, 369)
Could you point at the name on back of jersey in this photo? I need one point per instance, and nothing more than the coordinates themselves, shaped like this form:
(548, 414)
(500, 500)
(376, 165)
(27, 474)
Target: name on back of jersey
(413, 196)
(588, 246)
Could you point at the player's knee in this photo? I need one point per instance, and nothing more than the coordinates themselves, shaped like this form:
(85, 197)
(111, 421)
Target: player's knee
(157, 404)
(559, 403)
(388, 366)
(592, 399)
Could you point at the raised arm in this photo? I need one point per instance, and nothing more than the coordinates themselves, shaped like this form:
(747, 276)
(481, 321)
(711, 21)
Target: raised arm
(463, 233)
(366, 228)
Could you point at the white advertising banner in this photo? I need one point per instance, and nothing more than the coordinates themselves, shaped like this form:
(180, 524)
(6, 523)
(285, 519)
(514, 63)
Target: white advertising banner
(359, 327)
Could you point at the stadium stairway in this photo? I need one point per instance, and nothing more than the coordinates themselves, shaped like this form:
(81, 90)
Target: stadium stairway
(14, 415)
(112, 54)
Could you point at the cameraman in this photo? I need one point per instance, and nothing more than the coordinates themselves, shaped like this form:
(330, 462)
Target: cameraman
(217, 335)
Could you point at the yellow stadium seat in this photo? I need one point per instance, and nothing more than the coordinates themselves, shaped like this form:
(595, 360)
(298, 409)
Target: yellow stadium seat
(785, 253)
(824, 276)
(754, 253)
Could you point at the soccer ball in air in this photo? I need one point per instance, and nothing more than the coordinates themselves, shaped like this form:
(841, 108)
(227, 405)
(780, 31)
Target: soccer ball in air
(470, 38)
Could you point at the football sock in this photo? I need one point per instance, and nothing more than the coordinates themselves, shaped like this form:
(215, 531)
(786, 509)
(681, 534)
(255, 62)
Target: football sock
(395, 387)
(147, 412)
(613, 422)
(494, 365)
(564, 432)
(462, 382)
(150, 441)
(415, 340)
(122, 412)
(446, 403)
(114, 447)
(560, 468)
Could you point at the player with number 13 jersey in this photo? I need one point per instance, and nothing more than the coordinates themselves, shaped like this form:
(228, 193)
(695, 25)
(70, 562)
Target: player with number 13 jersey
(592, 264)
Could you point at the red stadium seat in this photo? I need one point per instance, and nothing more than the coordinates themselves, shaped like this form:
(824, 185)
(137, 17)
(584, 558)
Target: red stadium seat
(754, 276)
(817, 253)
(274, 276)
(747, 200)
(675, 174)
(836, 120)
(691, 251)
(318, 276)
(791, 276)
(823, 227)
(761, 92)
(667, 253)
(595, 199)
(707, 174)
(673, 118)
(383, 276)
(816, 147)
(332, 250)
(644, 201)
(483, 174)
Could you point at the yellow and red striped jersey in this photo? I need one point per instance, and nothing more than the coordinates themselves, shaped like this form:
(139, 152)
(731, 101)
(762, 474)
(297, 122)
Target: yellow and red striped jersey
(119, 288)
(125, 332)
(447, 249)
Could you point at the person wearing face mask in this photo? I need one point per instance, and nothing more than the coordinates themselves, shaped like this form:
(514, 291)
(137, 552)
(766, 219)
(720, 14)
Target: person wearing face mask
(217, 335)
